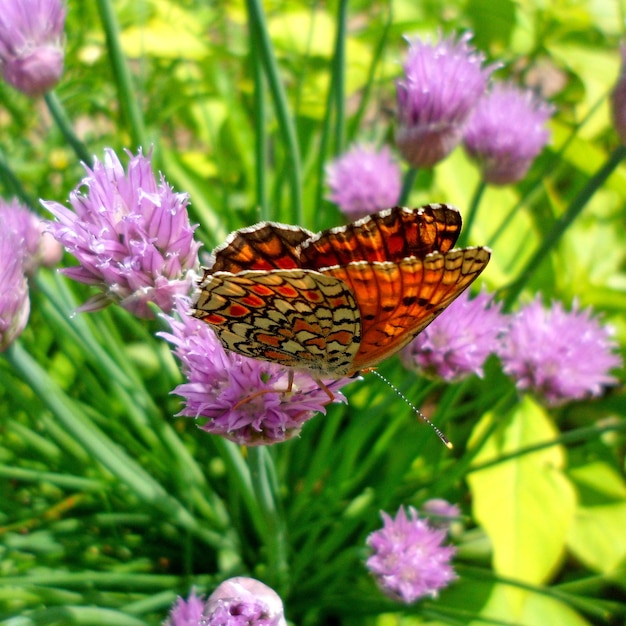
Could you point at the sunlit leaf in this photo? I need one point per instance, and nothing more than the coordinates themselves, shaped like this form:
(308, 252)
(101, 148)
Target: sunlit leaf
(525, 504)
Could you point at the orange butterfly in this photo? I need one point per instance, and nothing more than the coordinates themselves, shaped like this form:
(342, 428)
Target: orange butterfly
(340, 301)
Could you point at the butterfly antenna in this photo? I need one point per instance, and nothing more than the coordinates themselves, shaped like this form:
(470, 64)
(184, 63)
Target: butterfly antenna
(444, 439)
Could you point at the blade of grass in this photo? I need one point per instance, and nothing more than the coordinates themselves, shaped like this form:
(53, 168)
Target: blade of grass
(60, 117)
(562, 224)
(104, 450)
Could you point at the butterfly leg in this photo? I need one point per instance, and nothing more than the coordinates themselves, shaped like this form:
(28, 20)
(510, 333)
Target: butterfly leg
(262, 392)
(325, 389)
(287, 390)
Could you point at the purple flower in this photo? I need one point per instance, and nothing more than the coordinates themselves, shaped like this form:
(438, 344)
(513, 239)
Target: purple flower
(31, 44)
(130, 235)
(441, 86)
(559, 355)
(242, 399)
(246, 602)
(459, 341)
(618, 101)
(189, 612)
(38, 248)
(364, 181)
(409, 561)
(237, 601)
(14, 302)
(440, 513)
(506, 132)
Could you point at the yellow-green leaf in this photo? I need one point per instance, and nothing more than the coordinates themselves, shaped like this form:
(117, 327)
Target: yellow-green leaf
(597, 535)
(538, 610)
(526, 504)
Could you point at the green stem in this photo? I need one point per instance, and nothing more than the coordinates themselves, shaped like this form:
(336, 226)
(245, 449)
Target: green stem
(60, 117)
(407, 184)
(260, 132)
(573, 436)
(12, 182)
(369, 83)
(265, 487)
(125, 89)
(321, 162)
(504, 223)
(256, 19)
(335, 94)
(562, 224)
(471, 214)
(339, 78)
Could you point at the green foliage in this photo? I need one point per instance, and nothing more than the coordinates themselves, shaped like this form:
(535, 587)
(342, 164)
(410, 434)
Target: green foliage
(110, 507)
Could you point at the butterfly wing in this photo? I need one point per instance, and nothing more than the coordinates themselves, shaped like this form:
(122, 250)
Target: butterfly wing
(390, 235)
(296, 318)
(264, 246)
(398, 300)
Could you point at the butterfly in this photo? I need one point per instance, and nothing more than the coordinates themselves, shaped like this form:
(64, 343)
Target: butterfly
(340, 301)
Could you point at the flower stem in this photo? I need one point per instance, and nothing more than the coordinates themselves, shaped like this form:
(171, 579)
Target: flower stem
(336, 94)
(125, 88)
(355, 122)
(265, 487)
(11, 181)
(407, 185)
(551, 166)
(339, 77)
(260, 132)
(562, 224)
(471, 214)
(256, 21)
(60, 117)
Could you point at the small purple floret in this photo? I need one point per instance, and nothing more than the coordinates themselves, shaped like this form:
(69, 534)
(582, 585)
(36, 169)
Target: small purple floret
(505, 133)
(408, 560)
(442, 84)
(363, 181)
(559, 355)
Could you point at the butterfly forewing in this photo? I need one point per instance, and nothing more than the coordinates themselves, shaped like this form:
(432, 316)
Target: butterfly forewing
(401, 299)
(387, 236)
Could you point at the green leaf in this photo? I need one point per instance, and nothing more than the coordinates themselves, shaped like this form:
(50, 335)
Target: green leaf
(538, 610)
(597, 535)
(526, 504)
(492, 22)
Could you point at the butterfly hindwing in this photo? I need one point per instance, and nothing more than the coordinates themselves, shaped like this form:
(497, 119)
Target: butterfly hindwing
(297, 318)
(265, 246)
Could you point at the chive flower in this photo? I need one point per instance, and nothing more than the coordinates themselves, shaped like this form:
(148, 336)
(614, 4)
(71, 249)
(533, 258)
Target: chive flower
(130, 235)
(239, 601)
(442, 84)
(236, 397)
(37, 247)
(459, 341)
(14, 300)
(31, 44)
(559, 355)
(364, 181)
(506, 132)
(409, 561)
